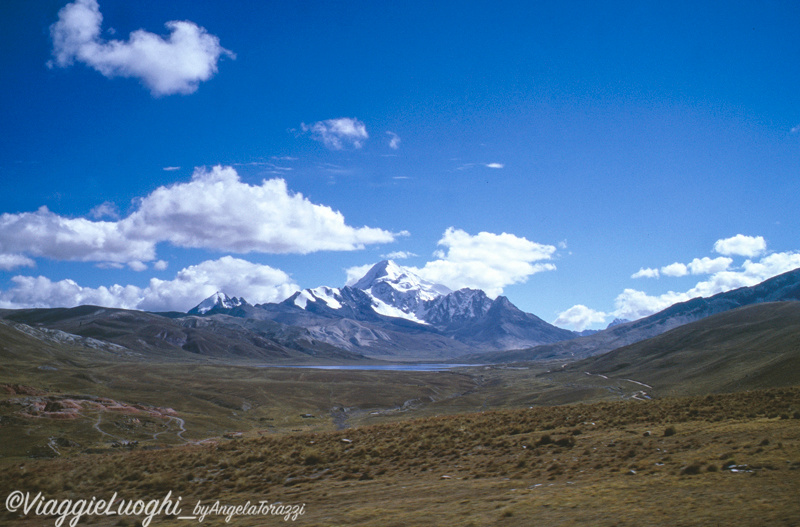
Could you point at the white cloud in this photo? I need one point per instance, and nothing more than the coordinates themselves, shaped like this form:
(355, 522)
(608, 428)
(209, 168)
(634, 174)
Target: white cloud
(176, 64)
(707, 265)
(675, 269)
(338, 134)
(741, 245)
(170, 169)
(45, 234)
(579, 317)
(356, 273)
(398, 255)
(106, 209)
(771, 265)
(160, 265)
(41, 292)
(257, 283)
(13, 261)
(646, 273)
(394, 140)
(215, 210)
(485, 261)
(703, 265)
(235, 277)
(137, 266)
(494, 165)
(633, 304)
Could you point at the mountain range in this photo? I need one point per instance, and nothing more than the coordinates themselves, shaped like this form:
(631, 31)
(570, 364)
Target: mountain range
(784, 287)
(389, 314)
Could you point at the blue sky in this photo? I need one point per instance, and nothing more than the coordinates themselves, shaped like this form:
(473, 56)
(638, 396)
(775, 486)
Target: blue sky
(566, 155)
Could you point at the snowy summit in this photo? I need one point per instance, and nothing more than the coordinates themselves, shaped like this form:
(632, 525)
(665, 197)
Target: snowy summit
(217, 301)
(399, 287)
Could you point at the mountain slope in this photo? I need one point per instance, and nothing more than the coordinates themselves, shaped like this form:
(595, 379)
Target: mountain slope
(784, 287)
(153, 336)
(750, 347)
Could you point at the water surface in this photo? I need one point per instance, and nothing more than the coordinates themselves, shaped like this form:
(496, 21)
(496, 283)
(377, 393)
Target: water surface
(382, 367)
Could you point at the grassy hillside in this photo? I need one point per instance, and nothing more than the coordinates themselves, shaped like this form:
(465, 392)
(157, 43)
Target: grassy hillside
(782, 288)
(751, 347)
(714, 460)
(598, 442)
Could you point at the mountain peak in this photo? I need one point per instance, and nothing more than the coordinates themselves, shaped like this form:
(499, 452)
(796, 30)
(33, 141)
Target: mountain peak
(400, 279)
(217, 301)
(385, 269)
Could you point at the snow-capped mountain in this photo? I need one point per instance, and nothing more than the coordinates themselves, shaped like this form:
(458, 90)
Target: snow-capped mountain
(391, 311)
(217, 302)
(400, 288)
(390, 290)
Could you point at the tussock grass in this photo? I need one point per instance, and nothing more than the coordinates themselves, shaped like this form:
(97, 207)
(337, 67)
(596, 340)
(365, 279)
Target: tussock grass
(731, 459)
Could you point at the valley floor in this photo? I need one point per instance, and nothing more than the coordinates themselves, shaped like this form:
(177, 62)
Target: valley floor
(723, 459)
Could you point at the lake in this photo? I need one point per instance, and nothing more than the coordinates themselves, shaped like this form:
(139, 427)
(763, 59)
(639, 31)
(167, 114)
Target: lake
(383, 367)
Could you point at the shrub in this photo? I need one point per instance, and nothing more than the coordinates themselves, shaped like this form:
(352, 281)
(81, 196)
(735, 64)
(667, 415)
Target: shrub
(566, 442)
(312, 459)
(691, 470)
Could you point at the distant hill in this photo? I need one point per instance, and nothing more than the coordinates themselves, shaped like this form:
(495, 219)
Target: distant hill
(784, 287)
(155, 337)
(750, 347)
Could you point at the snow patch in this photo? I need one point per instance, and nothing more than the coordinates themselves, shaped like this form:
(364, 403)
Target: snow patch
(382, 308)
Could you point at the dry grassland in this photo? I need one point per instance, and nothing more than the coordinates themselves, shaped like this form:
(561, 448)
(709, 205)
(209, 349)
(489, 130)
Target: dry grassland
(723, 459)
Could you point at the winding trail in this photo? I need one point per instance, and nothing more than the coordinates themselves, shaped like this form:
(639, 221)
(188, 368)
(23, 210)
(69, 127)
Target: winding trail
(639, 395)
(179, 433)
(96, 426)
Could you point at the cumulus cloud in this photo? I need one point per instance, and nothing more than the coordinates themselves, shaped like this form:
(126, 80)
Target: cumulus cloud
(708, 265)
(41, 292)
(675, 269)
(398, 255)
(697, 266)
(338, 134)
(486, 261)
(175, 64)
(579, 317)
(14, 261)
(46, 234)
(646, 272)
(137, 266)
(215, 210)
(633, 304)
(494, 165)
(394, 140)
(741, 245)
(105, 210)
(236, 277)
(356, 273)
